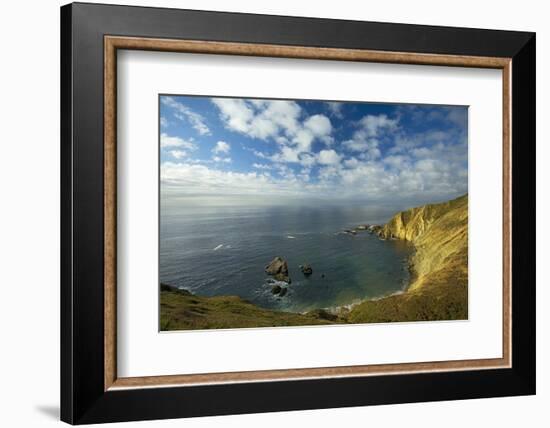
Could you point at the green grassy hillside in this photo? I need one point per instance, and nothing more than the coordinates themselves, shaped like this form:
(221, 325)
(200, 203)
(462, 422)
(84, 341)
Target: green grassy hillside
(181, 310)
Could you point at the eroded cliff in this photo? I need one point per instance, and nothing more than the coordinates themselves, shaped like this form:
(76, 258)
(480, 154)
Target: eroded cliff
(439, 267)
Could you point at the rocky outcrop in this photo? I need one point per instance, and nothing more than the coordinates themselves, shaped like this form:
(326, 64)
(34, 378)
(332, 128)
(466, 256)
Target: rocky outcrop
(278, 269)
(279, 290)
(276, 289)
(349, 232)
(306, 269)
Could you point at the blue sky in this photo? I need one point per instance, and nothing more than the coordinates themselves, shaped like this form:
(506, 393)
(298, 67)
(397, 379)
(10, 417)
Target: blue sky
(241, 149)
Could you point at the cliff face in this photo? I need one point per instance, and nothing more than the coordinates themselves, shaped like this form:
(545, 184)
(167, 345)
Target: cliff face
(439, 266)
(439, 233)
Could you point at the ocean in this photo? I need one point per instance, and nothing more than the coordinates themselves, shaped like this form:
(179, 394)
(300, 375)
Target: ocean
(223, 250)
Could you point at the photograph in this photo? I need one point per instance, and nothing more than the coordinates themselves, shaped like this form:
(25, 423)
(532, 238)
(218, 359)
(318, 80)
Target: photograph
(293, 212)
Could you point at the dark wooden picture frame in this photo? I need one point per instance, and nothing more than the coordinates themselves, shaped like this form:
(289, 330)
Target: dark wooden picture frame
(90, 389)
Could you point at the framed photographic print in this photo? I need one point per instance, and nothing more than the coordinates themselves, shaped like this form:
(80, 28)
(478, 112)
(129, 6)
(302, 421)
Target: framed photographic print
(266, 213)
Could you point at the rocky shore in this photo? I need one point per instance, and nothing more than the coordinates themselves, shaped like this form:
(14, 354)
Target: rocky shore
(438, 288)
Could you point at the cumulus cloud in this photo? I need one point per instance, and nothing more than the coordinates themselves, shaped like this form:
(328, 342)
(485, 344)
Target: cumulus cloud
(351, 163)
(178, 154)
(374, 124)
(359, 144)
(372, 129)
(171, 141)
(335, 109)
(261, 166)
(221, 159)
(328, 157)
(221, 147)
(307, 160)
(259, 118)
(318, 124)
(182, 112)
(276, 120)
(396, 161)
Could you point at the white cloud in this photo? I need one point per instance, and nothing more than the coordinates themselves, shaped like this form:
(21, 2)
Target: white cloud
(262, 166)
(193, 179)
(277, 120)
(421, 152)
(367, 147)
(427, 165)
(178, 154)
(221, 147)
(351, 163)
(328, 157)
(396, 161)
(318, 124)
(287, 154)
(329, 173)
(220, 159)
(170, 141)
(373, 180)
(335, 109)
(367, 138)
(374, 124)
(360, 145)
(373, 153)
(163, 122)
(307, 160)
(259, 118)
(184, 113)
(436, 136)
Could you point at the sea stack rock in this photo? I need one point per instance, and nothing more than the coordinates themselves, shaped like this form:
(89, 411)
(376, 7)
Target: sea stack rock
(350, 232)
(276, 289)
(278, 269)
(306, 269)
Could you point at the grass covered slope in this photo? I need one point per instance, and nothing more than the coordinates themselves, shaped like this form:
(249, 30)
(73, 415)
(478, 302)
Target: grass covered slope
(438, 289)
(439, 267)
(181, 310)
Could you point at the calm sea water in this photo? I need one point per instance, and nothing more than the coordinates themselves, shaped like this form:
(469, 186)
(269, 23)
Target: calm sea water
(223, 251)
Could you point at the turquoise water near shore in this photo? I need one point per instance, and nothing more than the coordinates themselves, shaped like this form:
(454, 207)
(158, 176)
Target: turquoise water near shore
(221, 250)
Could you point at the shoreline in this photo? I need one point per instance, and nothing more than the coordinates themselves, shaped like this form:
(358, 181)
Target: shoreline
(437, 287)
(403, 290)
